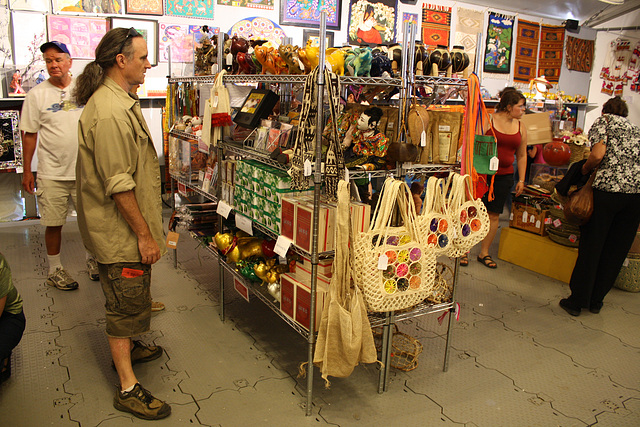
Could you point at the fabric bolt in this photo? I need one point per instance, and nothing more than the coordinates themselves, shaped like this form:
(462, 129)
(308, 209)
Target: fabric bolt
(116, 154)
(551, 47)
(468, 25)
(526, 56)
(579, 54)
(499, 45)
(619, 170)
(436, 25)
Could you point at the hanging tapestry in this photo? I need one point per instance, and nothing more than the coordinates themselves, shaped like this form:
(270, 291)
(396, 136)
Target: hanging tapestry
(633, 73)
(615, 68)
(497, 57)
(579, 54)
(467, 28)
(526, 57)
(436, 23)
(551, 46)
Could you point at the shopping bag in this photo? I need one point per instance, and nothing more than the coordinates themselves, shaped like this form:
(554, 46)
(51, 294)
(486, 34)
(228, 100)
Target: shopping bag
(485, 148)
(469, 217)
(434, 222)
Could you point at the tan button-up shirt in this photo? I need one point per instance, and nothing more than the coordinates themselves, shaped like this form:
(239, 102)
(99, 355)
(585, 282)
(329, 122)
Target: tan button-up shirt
(115, 155)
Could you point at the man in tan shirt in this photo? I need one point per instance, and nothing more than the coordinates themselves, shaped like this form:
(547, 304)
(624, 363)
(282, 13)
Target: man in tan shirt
(119, 205)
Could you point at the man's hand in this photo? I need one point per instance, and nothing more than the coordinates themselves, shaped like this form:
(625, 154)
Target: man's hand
(28, 182)
(149, 250)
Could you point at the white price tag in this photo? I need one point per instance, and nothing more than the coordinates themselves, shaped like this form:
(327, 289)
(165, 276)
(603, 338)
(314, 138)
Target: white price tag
(626, 262)
(383, 262)
(282, 246)
(532, 219)
(245, 224)
(229, 59)
(547, 220)
(19, 169)
(214, 104)
(561, 125)
(454, 232)
(423, 139)
(573, 238)
(494, 163)
(223, 209)
(307, 167)
(511, 216)
(525, 216)
(346, 174)
(538, 224)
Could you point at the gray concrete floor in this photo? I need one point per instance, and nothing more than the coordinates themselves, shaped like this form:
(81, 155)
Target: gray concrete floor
(517, 358)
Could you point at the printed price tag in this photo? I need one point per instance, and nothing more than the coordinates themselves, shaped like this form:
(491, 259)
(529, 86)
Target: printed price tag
(532, 219)
(214, 104)
(626, 262)
(557, 223)
(511, 216)
(383, 262)
(172, 240)
(547, 220)
(561, 126)
(229, 59)
(423, 139)
(494, 163)
(223, 209)
(573, 238)
(525, 216)
(182, 189)
(241, 288)
(538, 224)
(307, 167)
(282, 246)
(245, 224)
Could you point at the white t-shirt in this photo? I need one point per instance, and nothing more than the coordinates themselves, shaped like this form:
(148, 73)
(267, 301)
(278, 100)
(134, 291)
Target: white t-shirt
(49, 112)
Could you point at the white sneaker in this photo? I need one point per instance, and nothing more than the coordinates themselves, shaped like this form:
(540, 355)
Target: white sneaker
(62, 280)
(92, 268)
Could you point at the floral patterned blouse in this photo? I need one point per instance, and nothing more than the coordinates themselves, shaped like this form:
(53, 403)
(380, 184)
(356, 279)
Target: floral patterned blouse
(619, 171)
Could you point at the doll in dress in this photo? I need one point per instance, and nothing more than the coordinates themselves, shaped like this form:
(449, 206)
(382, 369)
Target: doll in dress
(364, 145)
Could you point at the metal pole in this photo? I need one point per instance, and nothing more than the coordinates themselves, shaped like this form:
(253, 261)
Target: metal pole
(452, 313)
(173, 206)
(317, 181)
(389, 323)
(383, 354)
(220, 229)
(479, 56)
(220, 51)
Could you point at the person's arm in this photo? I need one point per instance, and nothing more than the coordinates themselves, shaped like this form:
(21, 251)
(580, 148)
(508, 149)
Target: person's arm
(596, 156)
(29, 141)
(521, 158)
(3, 301)
(128, 207)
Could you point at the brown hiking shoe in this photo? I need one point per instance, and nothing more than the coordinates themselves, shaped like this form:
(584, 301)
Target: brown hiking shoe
(141, 403)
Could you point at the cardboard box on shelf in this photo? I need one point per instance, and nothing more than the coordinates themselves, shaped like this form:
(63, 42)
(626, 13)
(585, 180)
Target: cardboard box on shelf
(287, 295)
(304, 226)
(528, 218)
(324, 266)
(538, 128)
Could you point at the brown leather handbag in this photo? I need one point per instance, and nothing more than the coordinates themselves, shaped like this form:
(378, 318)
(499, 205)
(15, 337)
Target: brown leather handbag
(580, 205)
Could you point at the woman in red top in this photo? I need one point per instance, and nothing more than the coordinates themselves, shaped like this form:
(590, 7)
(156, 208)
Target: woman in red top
(511, 137)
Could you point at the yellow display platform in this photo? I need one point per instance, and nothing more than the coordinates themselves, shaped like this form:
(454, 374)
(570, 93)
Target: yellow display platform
(537, 253)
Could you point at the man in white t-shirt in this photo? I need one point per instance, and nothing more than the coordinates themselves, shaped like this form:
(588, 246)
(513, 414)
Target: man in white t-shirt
(49, 120)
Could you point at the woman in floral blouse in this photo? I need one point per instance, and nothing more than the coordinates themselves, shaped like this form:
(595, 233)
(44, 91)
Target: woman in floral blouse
(606, 239)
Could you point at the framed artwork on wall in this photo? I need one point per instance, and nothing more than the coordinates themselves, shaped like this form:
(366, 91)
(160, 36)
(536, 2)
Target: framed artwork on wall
(258, 27)
(189, 8)
(80, 34)
(253, 4)
(112, 7)
(145, 7)
(6, 55)
(29, 32)
(314, 37)
(372, 22)
(43, 6)
(303, 13)
(148, 28)
(11, 144)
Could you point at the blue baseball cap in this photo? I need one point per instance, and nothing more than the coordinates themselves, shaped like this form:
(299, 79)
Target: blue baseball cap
(58, 45)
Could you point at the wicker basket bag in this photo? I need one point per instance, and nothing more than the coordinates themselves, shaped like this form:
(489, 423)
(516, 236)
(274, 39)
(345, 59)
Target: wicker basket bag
(469, 217)
(391, 265)
(434, 222)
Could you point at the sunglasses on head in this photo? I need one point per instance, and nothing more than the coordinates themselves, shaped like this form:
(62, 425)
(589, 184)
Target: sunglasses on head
(132, 33)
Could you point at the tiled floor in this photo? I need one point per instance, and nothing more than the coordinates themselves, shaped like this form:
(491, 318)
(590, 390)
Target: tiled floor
(517, 358)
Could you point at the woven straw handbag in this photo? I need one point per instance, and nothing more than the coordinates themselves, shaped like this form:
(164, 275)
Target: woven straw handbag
(469, 217)
(434, 222)
(391, 265)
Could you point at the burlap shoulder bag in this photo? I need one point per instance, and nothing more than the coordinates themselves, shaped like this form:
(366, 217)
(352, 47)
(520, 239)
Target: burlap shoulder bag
(469, 217)
(391, 264)
(434, 222)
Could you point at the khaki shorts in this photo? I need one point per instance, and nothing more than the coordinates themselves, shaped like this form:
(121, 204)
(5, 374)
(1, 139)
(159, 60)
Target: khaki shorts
(53, 201)
(127, 291)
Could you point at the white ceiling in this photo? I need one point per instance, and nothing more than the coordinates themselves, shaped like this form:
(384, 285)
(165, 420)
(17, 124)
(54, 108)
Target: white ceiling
(580, 10)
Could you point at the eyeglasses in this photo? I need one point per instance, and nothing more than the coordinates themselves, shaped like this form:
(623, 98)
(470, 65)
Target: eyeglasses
(132, 33)
(63, 95)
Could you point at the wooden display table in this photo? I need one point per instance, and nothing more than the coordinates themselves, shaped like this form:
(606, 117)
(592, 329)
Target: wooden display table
(537, 253)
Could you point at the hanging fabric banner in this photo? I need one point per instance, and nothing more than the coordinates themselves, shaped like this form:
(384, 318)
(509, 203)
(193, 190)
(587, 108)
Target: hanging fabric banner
(526, 57)
(497, 57)
(467, 28)
(579, 54)
(551, 46)
(436, 24)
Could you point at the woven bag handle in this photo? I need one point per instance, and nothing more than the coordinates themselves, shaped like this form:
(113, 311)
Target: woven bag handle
(430, 196)
(341, 277)
(384, 205)
(407, 209)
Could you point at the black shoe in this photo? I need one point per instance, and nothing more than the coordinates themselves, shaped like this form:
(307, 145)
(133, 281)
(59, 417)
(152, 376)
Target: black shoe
(5, 369)
(141, 403)
(595, 308)
(566, 305)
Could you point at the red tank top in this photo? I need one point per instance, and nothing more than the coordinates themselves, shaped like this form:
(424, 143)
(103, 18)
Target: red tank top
(507, 146)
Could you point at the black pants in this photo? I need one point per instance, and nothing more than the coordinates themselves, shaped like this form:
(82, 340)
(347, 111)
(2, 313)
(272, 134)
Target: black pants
(604, 243)
(11, 329)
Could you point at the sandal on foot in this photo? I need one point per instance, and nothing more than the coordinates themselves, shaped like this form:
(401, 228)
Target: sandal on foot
(487, 261)
(464, 260)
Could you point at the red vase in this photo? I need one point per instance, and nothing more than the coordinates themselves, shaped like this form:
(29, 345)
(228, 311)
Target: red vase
(556, 153)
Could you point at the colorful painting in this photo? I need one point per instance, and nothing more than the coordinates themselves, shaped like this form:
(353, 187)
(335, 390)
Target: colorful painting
(113, 7)
(148, 28)
(145, 7)
(372, 22)
(254, 4)
(306, 13)
(189, 8)
(35, 5)
(177, 37)
(497, 58)
(313, 36)
(80, 34)
(258, 27)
